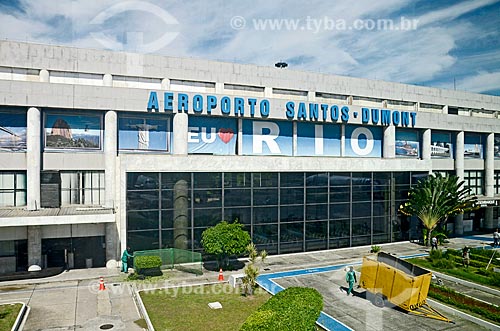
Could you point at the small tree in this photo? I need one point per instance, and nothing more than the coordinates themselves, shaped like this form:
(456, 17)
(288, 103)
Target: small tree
(436, 198)
(225, 239)
(252, 270)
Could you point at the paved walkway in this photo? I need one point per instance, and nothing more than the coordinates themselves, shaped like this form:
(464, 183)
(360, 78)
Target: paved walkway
(71, 300)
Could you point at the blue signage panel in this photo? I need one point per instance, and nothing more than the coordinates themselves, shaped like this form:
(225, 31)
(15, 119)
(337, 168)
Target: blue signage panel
(267, 137)
(407, 143)
(318, 139)
(212, 135)
(363, 141)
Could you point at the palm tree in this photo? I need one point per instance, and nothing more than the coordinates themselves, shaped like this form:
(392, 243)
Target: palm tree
(436, 198)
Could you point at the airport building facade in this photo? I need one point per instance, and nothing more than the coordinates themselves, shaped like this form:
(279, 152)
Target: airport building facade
(100, 150)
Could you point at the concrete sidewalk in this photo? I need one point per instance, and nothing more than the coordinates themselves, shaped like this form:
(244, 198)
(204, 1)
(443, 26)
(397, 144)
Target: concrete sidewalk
(71, 300)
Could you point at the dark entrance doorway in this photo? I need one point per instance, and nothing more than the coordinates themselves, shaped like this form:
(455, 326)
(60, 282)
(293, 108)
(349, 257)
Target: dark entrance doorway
(84, 249)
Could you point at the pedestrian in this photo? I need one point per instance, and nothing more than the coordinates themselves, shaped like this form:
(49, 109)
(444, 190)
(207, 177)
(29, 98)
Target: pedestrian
(496, 238)
(434, 243)
(350, 278)
(125, 256)
(466, 257)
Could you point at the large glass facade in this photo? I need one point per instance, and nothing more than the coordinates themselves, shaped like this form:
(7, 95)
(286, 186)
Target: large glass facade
(284, 212)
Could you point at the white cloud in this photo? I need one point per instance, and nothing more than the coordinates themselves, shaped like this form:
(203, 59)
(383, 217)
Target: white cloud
(204, 31)
(481, 82)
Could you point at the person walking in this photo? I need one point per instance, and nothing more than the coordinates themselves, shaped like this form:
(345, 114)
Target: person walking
(466, 257)
(125, 256)
(434, 243)
(496, 238)
(350, 278)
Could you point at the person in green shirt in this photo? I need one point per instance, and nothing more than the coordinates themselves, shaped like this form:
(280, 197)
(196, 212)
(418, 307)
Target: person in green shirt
(350, 278)
(125, 256)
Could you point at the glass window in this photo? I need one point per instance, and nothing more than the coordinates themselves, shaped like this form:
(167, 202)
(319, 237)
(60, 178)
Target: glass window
(82, 188)
(237, 179)
(143, 220)
(208, 198)
(292, 213)
(12, 189)
(237, 197)
(266, 237)
(474, 180)
(265, 215)
(207, 179)
(340, 228)
(292, 179)
(142, 180)
(243, 215)
(317, 195)
(207, 217)
(143, 240)
(13, 135)
(317, 212)
(265, 197)
(265, 179)
(292, 196)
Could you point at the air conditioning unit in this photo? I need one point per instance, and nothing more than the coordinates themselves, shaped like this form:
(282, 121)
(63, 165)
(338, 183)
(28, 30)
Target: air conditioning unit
(50, 189)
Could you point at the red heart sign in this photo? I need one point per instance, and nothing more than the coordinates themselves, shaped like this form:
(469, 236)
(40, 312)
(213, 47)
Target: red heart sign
(225, 135)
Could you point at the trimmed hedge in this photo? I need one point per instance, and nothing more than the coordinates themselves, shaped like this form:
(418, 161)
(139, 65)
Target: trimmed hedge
(293, 309)
(148, 265)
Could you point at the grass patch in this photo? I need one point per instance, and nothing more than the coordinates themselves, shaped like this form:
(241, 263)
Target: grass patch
(187, 308)
(451, 265)
(465, 303)
(8, 315)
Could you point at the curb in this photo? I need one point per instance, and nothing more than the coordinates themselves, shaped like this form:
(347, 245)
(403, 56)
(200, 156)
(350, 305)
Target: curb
(142, 308)
(21, 317)
(455, 312)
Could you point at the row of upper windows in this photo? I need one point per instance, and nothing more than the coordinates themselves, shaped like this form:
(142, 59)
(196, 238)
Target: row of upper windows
(76, 188)
(150, 83)
(219, 136)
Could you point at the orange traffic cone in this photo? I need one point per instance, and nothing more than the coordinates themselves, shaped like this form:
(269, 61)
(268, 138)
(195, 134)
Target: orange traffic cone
(221, 276)
(101, 284)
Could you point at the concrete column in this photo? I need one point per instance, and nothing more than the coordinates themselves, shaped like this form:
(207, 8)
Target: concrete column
(44, 76)
(35, 245)
(165, 84)
(459, 171)
(489, 180)
(268, 92)
(311, 96)
(389, 148)
(445, 109)
(33, 156)
(426, 145)
(107, 80)
(110, 153)
(181, 219)
(112, 243)
(180, 134)
(219, 88)
(489, 166)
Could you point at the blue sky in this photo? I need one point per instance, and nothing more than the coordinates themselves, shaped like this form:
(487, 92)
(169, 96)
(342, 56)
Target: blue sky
(452, 44)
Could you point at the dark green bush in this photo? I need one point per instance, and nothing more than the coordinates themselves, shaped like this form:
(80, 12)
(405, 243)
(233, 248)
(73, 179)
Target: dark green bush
(148, 265)
(294, 309)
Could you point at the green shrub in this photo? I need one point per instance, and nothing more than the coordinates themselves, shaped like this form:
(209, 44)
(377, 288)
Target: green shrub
(436, 254)
(148, 265)
(375, 249)
(443, 264)
(293, 309)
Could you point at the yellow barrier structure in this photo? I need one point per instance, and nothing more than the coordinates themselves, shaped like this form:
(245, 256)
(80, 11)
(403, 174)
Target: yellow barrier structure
(389, 280)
